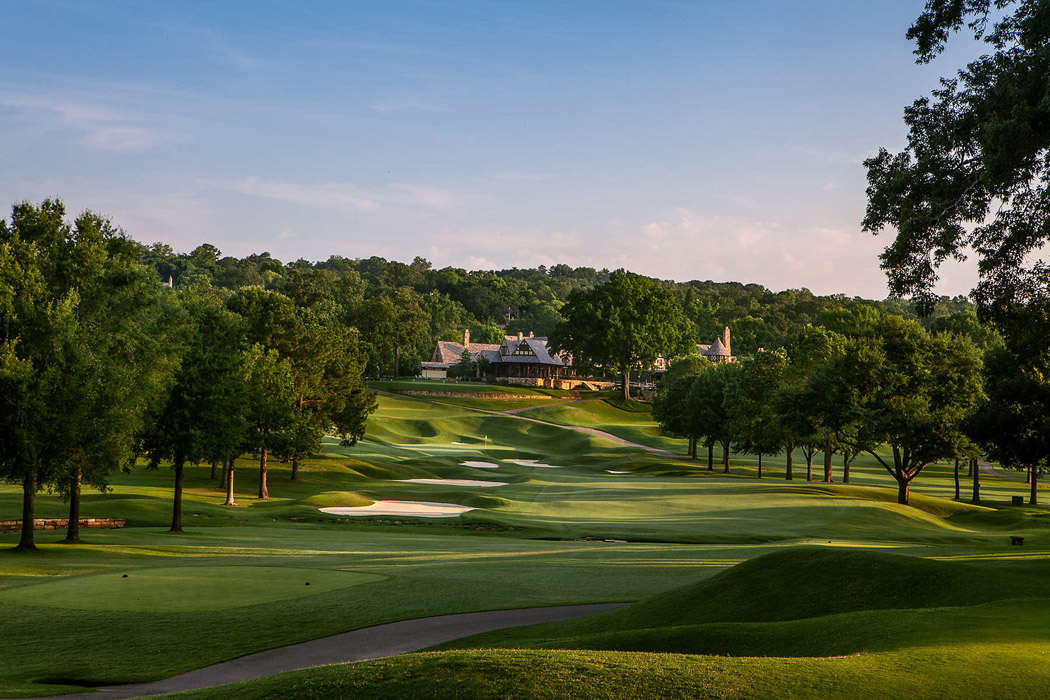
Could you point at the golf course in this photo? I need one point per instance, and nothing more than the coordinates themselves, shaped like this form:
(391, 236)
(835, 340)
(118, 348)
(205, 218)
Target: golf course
(732, 586)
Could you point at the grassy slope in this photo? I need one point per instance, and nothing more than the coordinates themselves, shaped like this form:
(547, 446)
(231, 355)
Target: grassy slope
(885, 626)
(1004, 671)
(443, 566)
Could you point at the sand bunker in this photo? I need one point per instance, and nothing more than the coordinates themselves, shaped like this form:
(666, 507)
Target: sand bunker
(533, 463)
(414, 509)
(612, 472)
(454, 482)
(481, 465)
(461, 443)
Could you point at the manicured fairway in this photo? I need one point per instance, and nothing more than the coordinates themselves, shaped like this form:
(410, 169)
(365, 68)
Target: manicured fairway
(234, 583)
(183, 588)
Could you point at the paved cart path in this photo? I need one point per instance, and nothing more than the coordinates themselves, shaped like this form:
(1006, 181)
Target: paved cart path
(359, 645)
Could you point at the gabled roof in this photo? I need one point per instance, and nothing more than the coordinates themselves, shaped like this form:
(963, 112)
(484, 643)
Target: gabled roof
(537, 346)
(717, 349)
(449, 351)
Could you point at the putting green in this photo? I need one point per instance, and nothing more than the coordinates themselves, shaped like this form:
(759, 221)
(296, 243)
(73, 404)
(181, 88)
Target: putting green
(183, 588)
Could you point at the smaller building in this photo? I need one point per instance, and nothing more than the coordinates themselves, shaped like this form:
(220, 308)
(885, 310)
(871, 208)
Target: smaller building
(718, 351)
(448, 353)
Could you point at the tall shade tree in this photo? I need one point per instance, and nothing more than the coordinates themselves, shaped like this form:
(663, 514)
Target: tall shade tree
(751, 404)
(671, 404)
(82, 351)
(393, 324)
(710, 404)
(327, 365)
(1014, 424)
(203, 416)
(915, 394)
(805, 424)
(627, 322)
(270, 407)
(975, 174)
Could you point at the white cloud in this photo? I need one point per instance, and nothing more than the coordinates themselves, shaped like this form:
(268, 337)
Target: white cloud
(345, 197)
(99, 128)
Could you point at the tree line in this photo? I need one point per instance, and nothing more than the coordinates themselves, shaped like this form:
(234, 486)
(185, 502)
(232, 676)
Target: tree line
(402, 309)
(861, 381)
(101, 366)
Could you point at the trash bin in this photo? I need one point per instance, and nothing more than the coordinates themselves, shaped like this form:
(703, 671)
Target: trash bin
(1018, 500)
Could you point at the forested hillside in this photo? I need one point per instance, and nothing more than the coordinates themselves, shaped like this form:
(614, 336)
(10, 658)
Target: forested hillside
(410, 306)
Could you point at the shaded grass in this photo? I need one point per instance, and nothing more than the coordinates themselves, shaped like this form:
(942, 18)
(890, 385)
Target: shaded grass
(593, 674)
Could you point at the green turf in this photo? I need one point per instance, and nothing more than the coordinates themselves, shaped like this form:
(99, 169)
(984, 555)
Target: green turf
(974, 670)
(524, 545)
(182, 588)
(763, 593)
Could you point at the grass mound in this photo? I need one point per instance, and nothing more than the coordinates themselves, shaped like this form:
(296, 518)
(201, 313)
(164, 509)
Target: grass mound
(633, 676)
(767, 588)
(800, 601)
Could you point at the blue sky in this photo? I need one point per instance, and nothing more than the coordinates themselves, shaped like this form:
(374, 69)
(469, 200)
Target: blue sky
(683, 140)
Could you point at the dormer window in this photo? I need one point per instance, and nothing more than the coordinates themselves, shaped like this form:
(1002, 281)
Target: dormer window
(524, 349)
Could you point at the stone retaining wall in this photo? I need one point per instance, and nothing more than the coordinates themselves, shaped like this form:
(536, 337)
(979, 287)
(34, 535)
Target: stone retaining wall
(477, 395)
(62, 523)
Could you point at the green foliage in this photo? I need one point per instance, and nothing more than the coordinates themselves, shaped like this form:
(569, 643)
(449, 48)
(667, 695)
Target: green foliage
(750, 403)
(625, 323)
(974, 175)
(914, 394)
(84, 332)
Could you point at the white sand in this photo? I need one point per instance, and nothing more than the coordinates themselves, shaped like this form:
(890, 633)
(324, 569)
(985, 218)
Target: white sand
(454, 482)
(460, 443)
(612, 472)
(533, 463)
(415, 509)
(481, 465)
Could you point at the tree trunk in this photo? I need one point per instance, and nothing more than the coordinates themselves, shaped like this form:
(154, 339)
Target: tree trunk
(846, 461)
(1033, 499)
(902, 491)
(957, 478)
(789, 474)
(1028, 475)
(295, 469)
(626, 385)
(229, 484)
(809, 462)
(969, 468)
(26, 542)
(710, 456)
(225, 473)
(975, 471)
(214, 470)
(397, 362)
(759, 465)
(176, 513)
(725, 457)
(73, 525)
(828, 454)
(263, 491)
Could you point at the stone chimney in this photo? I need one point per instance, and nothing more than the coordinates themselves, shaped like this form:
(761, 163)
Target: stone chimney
(466, 338)
(520, 336)
(531, 335)
(725, 340)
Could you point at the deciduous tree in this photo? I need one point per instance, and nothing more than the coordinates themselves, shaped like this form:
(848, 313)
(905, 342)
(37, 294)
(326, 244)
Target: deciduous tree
(627, 322)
